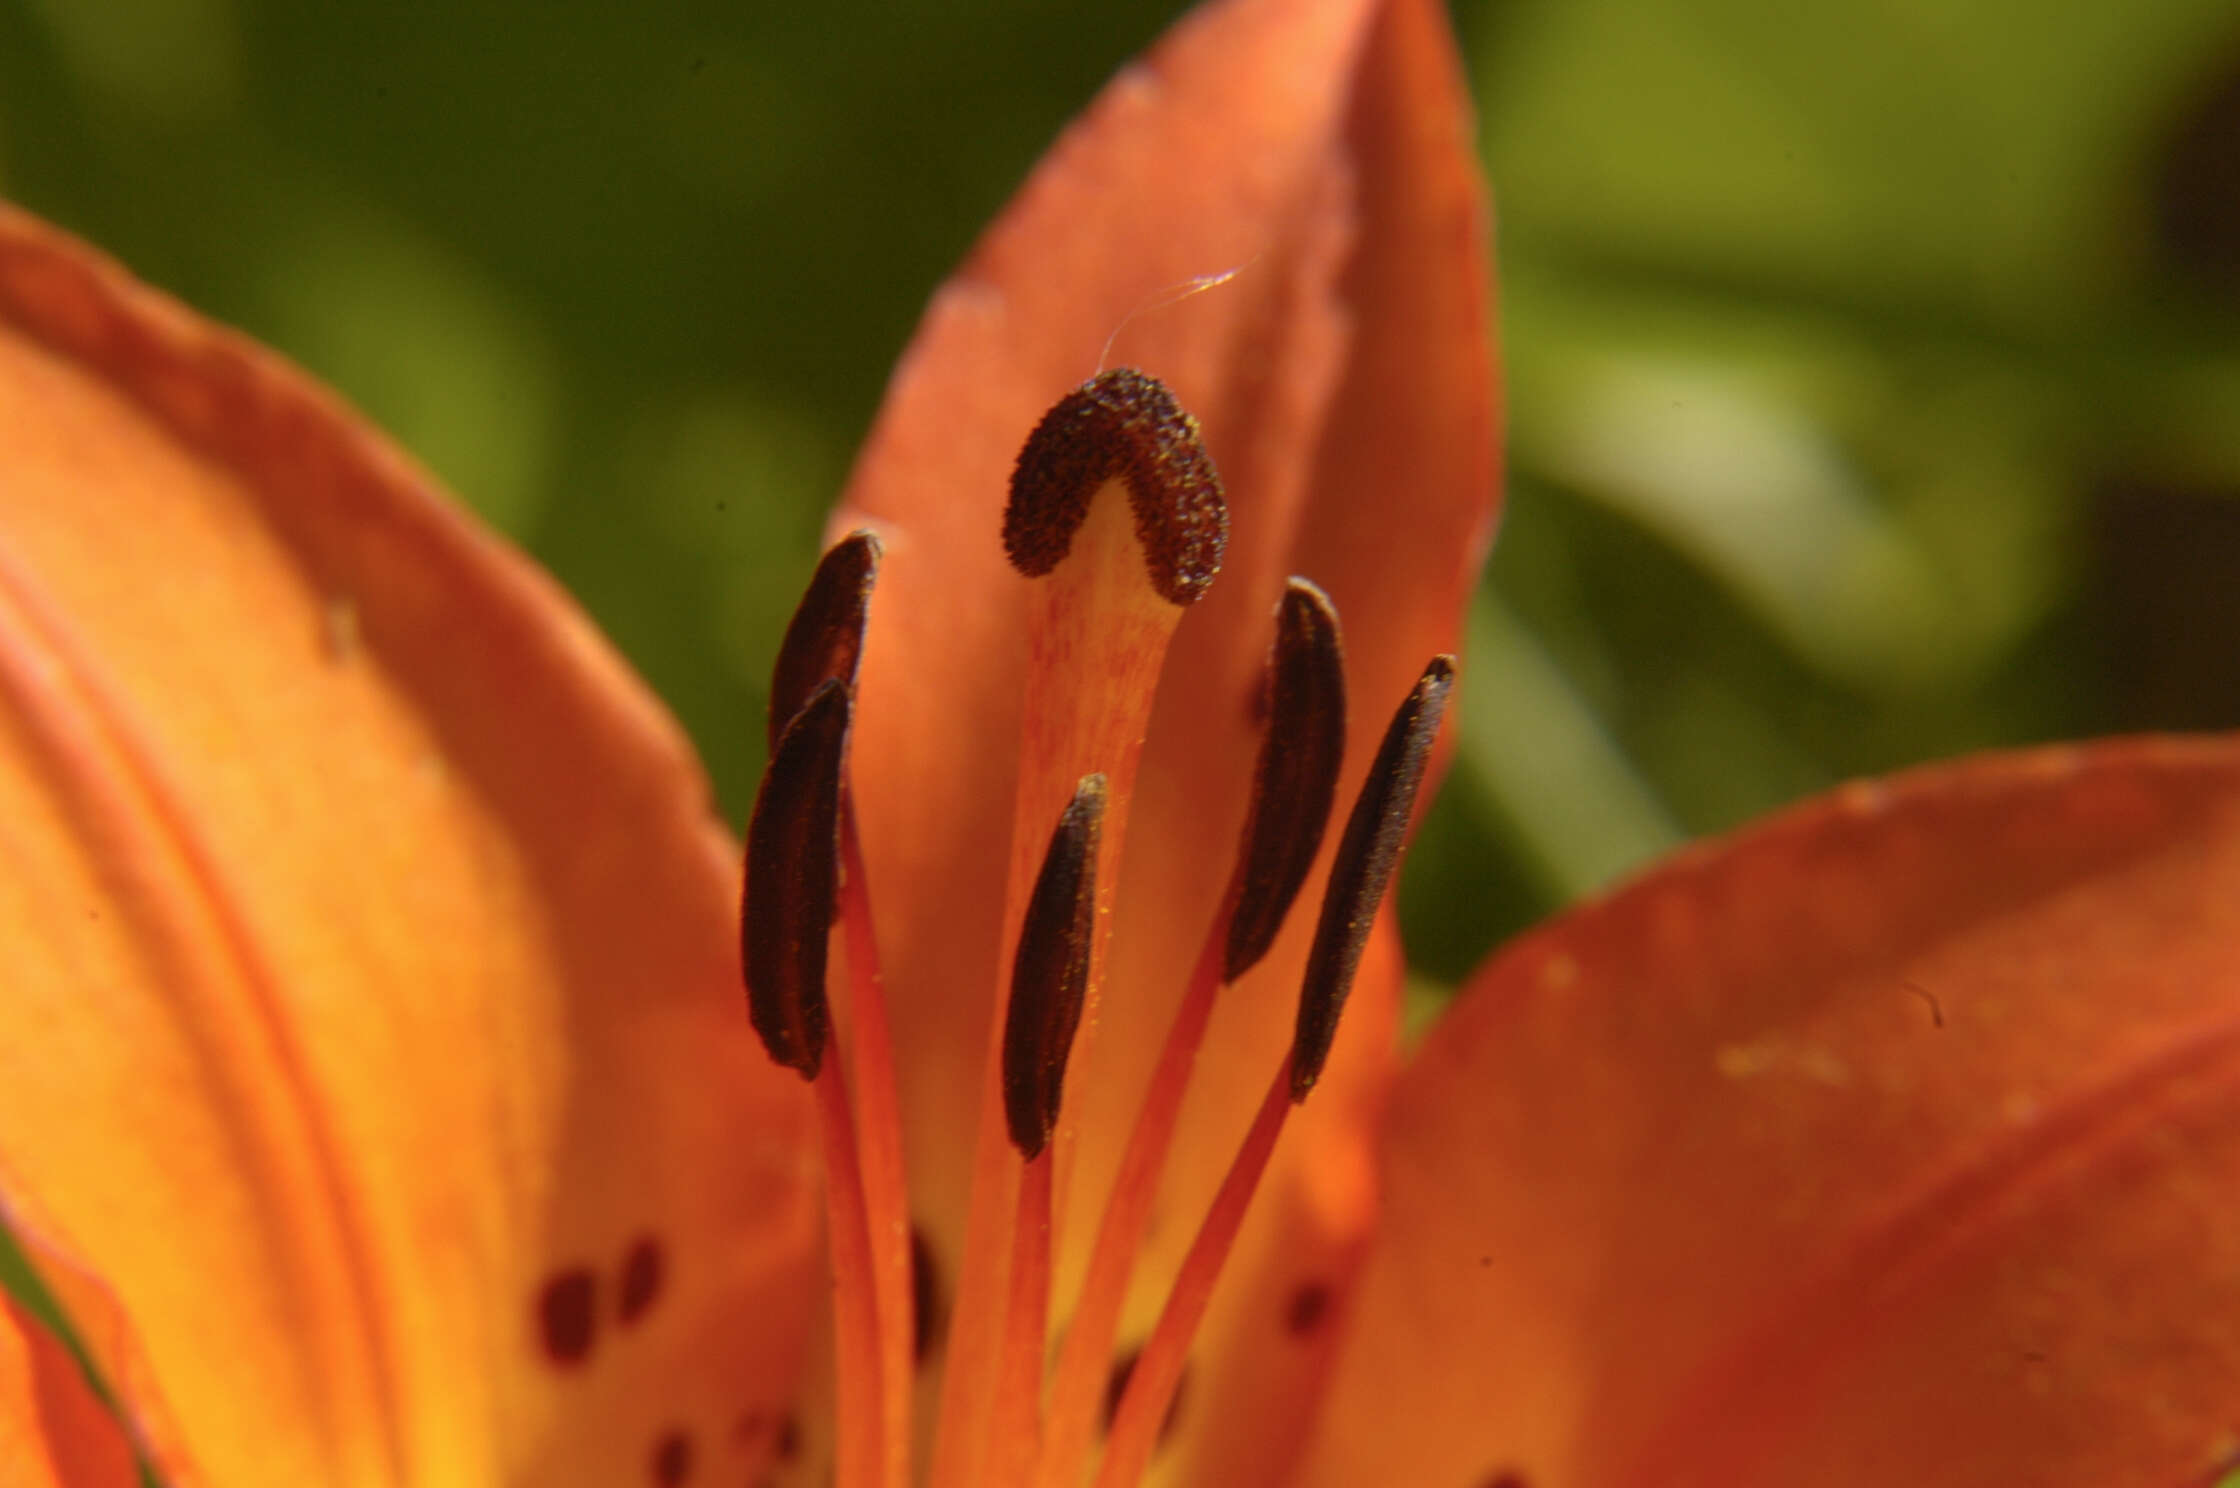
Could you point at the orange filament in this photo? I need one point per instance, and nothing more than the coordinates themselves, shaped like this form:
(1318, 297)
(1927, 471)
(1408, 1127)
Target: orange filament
(885, 1192)
(1016, 1421)
(1158, 1369)
(1082, 1363)
(856, 1345)
(976, 1318)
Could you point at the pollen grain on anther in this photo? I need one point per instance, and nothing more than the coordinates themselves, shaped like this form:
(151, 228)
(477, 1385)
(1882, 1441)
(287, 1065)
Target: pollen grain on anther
(824, 640)
(1367, 854)
(792, 875)
(1122, 425)
(1050, 972)
(1296, 776)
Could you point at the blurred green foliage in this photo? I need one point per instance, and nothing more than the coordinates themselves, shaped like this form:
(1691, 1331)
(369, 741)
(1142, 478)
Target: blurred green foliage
(1874, 376)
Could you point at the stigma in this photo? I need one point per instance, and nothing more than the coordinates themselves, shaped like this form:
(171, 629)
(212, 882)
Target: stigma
(1117, 522)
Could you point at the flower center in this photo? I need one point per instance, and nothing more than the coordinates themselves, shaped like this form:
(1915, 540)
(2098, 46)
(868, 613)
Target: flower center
(1116, 517)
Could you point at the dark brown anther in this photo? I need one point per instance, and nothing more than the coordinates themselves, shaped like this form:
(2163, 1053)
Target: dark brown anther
(1126, 425)
(1050, 973)
(793, 875)
(1116, 1390)
(1296, 777)
(927, 1298)
(824, 640)
(1367, 855)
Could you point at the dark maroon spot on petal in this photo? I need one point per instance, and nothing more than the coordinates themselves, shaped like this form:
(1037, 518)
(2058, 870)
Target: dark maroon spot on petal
(1507, 1477)
(568, 1315)
(1116, 1389)
(926, 1296)
(642, 1271)
(672, 1459)
(787, 1446)
(1308, 1306)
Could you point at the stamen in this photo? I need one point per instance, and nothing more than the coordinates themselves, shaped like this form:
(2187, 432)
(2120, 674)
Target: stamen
(1049, 975)
(792, 874)
(793, 850)
(1297, 773)
(1117, 512)
(1293, 783)
(1367, 855)
(824, 643)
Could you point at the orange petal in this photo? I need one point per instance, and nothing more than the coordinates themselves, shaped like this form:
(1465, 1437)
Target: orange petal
(53, 1432)
(1892, 1142)
(378, 1095)
(1343, 380)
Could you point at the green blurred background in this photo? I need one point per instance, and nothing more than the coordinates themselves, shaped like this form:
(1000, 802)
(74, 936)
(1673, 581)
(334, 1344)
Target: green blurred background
(1875, 384)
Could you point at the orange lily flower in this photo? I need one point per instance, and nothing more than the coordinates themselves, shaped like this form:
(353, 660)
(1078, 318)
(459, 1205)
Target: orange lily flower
(381, 1105)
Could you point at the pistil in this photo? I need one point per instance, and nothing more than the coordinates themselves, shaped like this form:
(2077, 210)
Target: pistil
(1117, 513)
